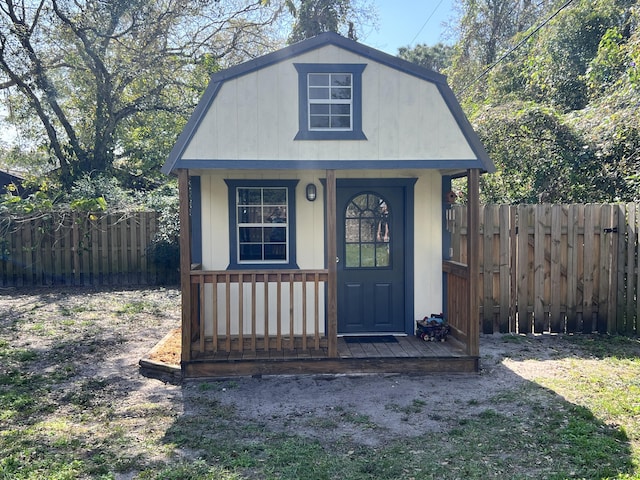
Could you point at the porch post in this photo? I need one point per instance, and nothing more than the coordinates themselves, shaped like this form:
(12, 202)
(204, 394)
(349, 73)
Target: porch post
(332, 254)
(473, 260)
(185, 262)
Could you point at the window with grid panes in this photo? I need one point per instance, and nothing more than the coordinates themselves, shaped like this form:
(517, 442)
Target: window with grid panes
(262, 223)
(330, 99)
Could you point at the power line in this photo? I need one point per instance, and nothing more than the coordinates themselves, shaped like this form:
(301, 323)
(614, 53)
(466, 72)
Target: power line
(513, 49)
(425, 23)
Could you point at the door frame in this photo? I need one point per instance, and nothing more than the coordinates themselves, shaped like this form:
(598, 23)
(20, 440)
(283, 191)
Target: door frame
(407, 185)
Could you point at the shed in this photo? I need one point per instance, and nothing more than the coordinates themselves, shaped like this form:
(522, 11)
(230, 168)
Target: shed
(314, 189)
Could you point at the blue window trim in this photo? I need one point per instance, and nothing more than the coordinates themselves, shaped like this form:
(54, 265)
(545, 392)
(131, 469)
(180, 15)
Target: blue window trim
(232, 185)
(304, 133)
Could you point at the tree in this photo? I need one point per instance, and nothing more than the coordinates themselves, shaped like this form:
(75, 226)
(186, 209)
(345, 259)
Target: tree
(89, 71)
(558, 61)
(486, 29)
(558, 114)
(312, 17)
(437, 57)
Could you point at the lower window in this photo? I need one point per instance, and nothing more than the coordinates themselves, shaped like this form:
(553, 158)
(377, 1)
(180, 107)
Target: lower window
(261, 223)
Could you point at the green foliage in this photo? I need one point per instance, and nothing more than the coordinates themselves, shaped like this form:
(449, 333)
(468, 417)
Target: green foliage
(485, 30)
(559, 59)
(436, 58)
(41, 200)
(164, 249)
(34, 161)
(558, 115)
(541, 158)
(101, 192)
(98, 204)
(317, 16)
(607, 68)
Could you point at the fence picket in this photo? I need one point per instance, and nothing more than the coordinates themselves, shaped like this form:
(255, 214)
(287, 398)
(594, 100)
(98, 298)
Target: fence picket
(539, 268)
(487, 222)
(589, 269)
(556, 267)
(620, 247)
(524, 269)
(504, 288)
(626, 264)
(605, 267)
(631, 269)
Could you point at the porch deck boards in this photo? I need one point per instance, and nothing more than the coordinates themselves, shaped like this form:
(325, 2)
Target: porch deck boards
(407, 355)
(403, 347)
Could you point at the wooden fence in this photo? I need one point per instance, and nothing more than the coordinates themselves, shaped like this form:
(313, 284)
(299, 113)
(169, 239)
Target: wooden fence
(80, 249)
(555, 268)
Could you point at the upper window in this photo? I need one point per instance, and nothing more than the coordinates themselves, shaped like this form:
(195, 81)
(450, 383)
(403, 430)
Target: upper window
(261, 231)
(330, 101)
(330, 98)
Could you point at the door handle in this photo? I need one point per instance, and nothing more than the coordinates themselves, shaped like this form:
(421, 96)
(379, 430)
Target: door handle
(337, 259)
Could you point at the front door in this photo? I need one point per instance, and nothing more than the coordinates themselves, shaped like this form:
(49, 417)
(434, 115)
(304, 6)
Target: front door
(371, 261)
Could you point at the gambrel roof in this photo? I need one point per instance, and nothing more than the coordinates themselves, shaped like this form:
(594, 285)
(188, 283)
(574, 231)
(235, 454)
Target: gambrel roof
(249, 116)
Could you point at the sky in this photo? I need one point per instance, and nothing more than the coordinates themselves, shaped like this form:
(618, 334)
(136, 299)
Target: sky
(408, 22)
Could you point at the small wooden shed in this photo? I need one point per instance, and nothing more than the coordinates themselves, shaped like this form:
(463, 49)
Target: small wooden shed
(314, 190)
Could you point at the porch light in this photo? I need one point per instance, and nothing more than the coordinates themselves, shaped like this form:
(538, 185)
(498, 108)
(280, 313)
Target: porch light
(311, 192)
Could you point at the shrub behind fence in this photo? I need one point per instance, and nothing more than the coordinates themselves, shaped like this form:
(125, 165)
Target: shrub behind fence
(81, 249)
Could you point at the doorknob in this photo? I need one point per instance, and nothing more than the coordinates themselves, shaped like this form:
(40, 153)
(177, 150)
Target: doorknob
(337, 259)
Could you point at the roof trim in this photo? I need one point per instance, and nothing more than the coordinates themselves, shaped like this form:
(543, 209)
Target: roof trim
(328, 38)
(274, 164)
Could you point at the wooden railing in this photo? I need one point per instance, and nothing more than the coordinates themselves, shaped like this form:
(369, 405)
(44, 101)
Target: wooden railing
(457, 285)
(252, 312)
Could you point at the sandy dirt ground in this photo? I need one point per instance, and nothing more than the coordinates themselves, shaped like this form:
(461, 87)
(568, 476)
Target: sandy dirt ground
(100, 336)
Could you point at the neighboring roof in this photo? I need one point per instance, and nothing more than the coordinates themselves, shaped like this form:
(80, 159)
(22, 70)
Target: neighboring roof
(218, 79)
(8, 177)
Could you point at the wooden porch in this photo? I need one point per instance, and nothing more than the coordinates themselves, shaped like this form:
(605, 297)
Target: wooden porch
(401, 354)
(284, 332)
(272, 322)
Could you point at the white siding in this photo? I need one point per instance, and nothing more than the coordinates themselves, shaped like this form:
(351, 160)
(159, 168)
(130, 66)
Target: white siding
(216, 250)
(256, 117)
(428, 245)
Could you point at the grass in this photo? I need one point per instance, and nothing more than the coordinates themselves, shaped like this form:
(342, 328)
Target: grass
(58, 422)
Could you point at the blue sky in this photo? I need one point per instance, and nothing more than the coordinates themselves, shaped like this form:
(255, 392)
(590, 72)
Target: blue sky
(408, 22)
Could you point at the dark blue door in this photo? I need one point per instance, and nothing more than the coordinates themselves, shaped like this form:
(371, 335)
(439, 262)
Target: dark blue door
(371, 264)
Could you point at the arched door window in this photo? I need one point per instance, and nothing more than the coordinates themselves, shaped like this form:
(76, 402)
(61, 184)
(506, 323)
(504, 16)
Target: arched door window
(367, 232)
